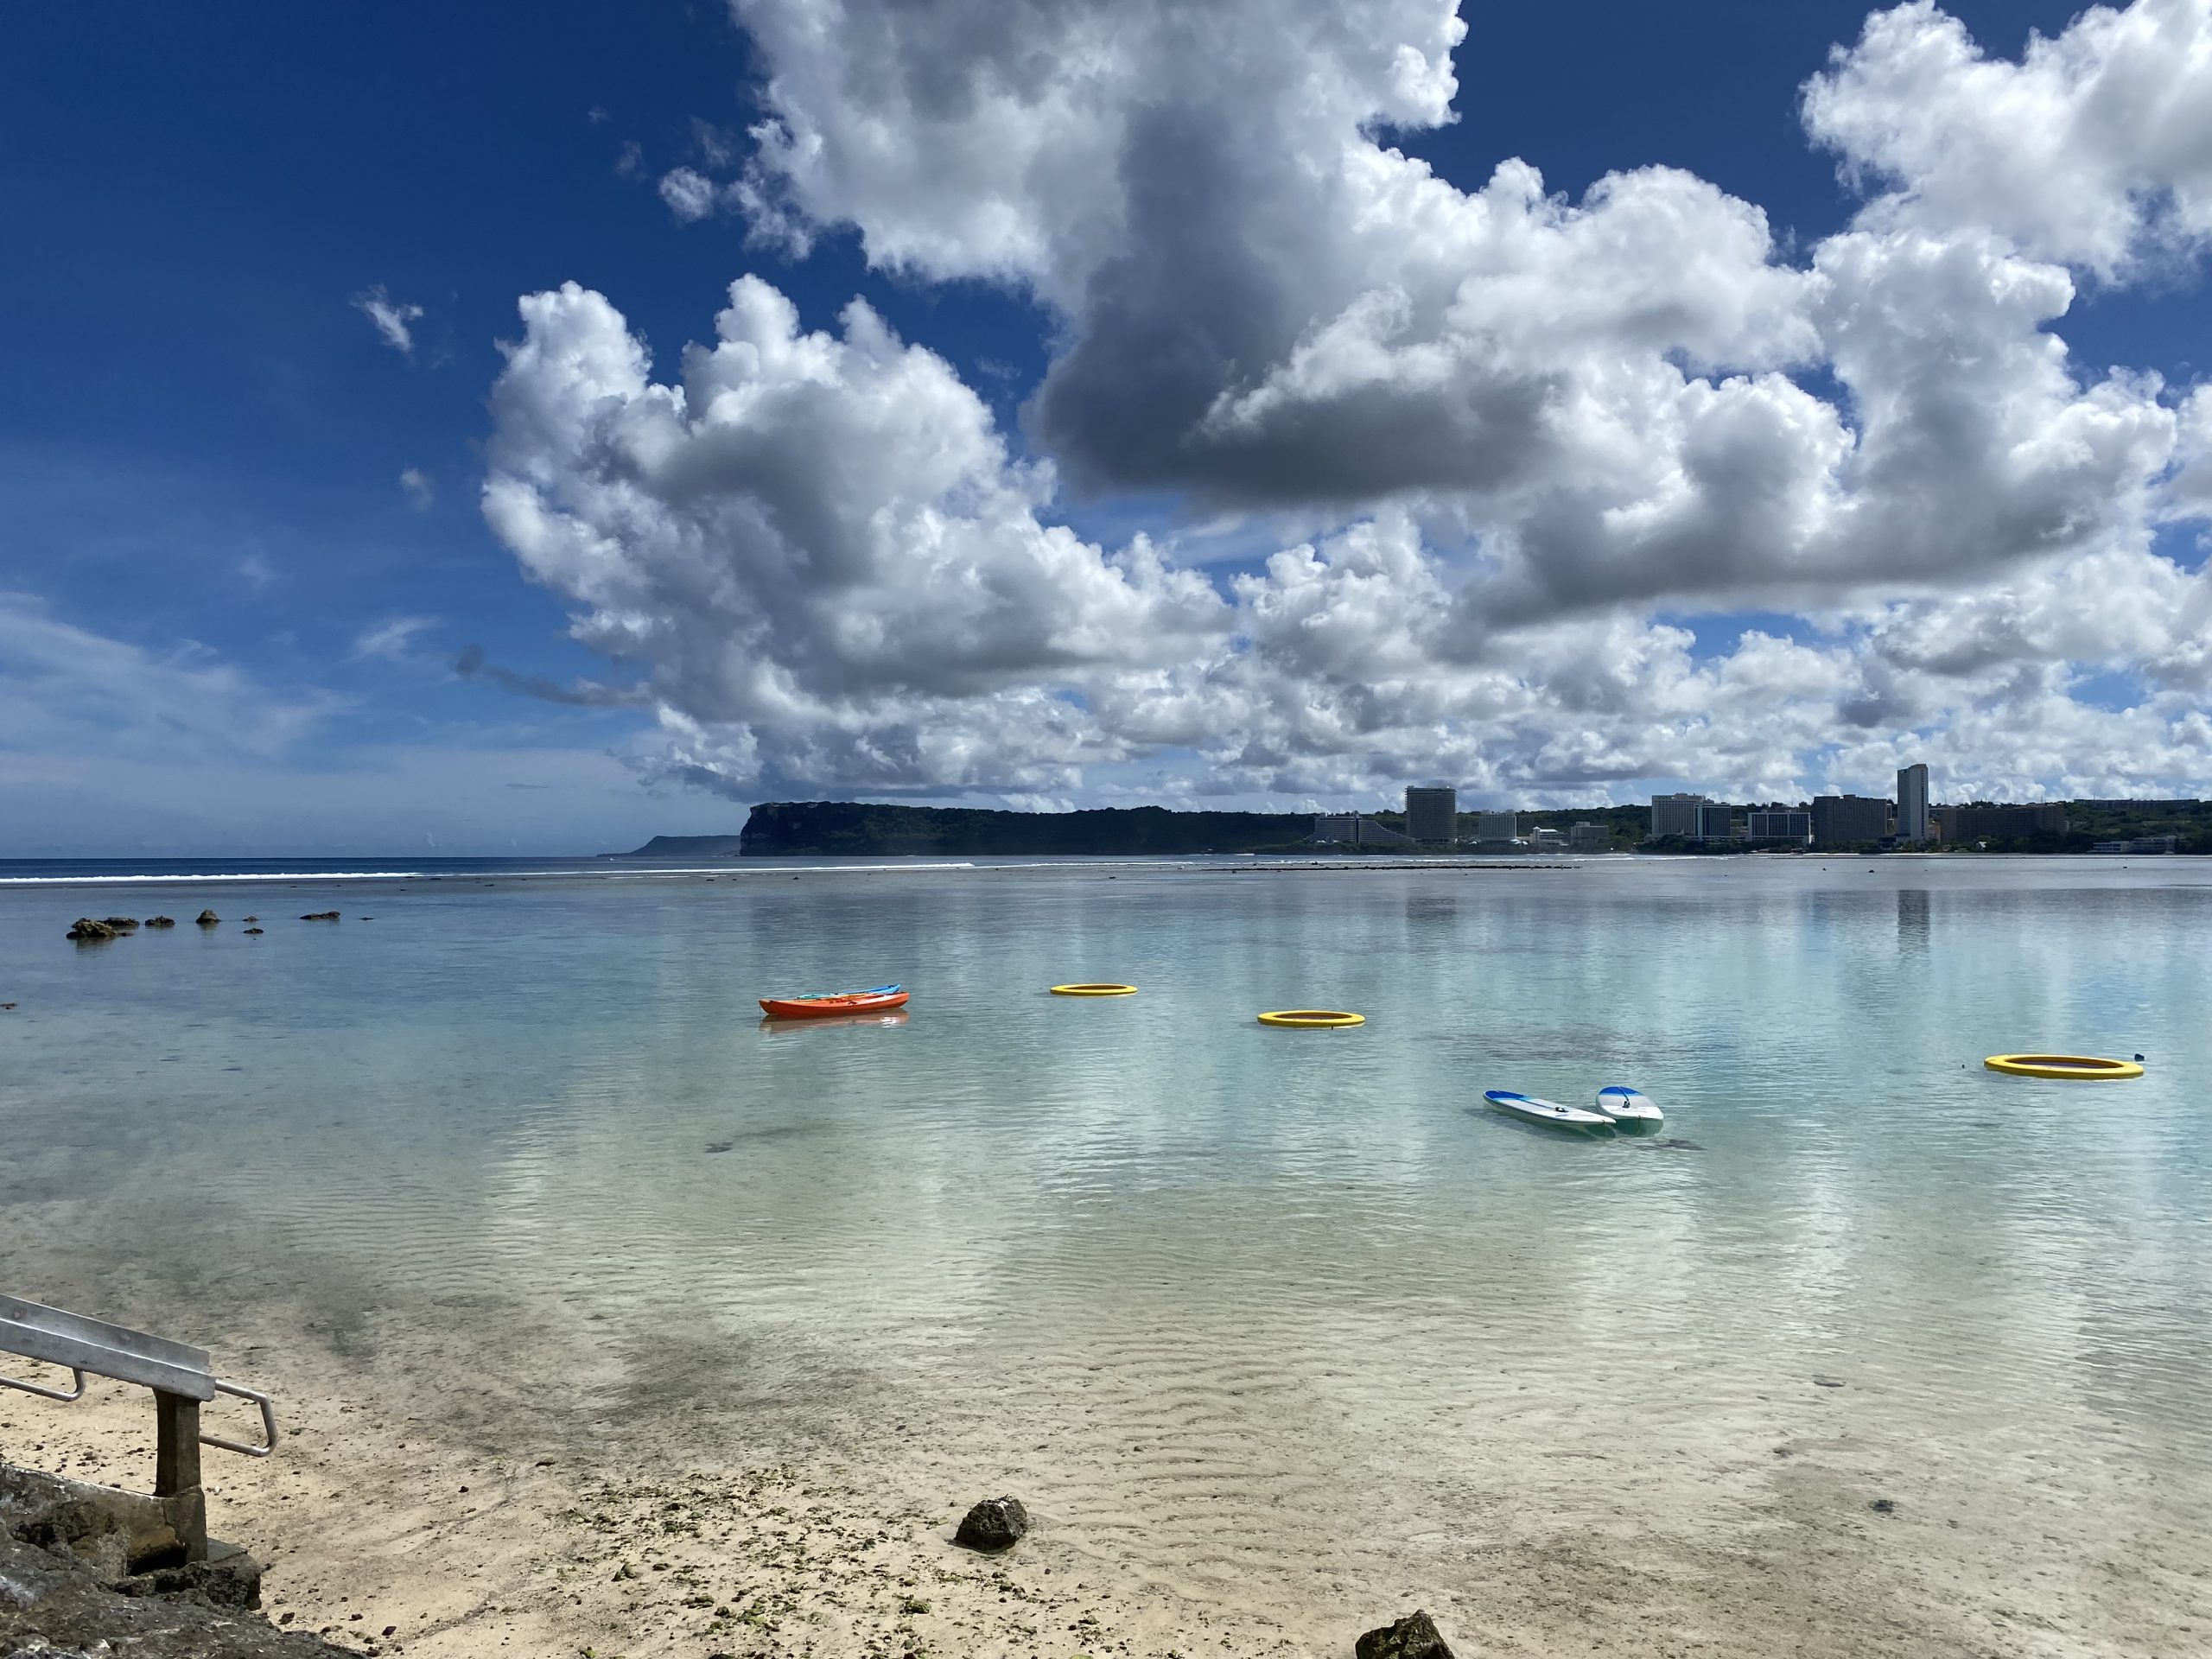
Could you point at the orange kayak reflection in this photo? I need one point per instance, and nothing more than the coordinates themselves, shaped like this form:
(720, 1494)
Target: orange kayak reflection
(826, 1021)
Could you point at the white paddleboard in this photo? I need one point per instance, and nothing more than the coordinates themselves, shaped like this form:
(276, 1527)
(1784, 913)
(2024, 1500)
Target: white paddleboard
(1546, 1111)
(1627, 1105)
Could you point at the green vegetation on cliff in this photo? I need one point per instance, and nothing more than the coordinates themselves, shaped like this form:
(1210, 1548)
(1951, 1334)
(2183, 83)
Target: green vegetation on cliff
(816, 829)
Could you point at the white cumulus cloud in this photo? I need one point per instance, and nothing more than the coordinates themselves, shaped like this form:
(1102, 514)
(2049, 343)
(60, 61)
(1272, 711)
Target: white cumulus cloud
(1522, 434)
(820, 538)
(2095, 149)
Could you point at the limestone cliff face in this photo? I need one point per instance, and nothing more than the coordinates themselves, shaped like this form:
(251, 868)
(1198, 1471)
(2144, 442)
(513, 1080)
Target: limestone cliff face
(819, 829)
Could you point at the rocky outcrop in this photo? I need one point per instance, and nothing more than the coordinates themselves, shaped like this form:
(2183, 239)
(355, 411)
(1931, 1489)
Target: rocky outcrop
(996, 1523)
(320, 915)
(1414, 1637)
(118, 1535)
(160, 921)
(124, 924)
(85, 930)
(207, 918)
(85, 1570)
(253, 929)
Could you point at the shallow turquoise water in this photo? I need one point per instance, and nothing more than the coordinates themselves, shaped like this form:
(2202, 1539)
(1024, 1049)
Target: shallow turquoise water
(1145, 1255)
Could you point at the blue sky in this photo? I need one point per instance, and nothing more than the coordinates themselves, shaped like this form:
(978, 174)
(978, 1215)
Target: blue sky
(202, 455)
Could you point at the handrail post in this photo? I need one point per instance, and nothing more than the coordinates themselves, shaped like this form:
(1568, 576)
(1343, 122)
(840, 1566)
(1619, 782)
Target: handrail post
(176, 1468)
(176, 1444)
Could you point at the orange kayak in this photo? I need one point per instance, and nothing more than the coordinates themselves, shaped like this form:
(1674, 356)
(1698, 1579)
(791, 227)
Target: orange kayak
(810, 1007)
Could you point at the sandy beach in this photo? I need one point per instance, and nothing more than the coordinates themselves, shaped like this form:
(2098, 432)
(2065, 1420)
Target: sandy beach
(377, 1532)
(385, 1529)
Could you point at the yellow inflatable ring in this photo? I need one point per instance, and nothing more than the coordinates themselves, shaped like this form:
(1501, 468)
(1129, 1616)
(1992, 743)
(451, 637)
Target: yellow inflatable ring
(1094, 991)
(1313, 1019)
(2062, 1065)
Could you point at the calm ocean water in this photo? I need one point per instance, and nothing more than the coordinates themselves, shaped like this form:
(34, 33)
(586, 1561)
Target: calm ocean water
(1219, 1298)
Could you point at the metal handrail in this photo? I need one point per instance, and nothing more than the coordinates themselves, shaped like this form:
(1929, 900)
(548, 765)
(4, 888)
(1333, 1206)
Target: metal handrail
(268, 1422)
(58, 1337)
(45, 1392)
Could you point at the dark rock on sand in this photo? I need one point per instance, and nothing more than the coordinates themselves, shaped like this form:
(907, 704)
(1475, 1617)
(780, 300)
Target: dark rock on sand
(996, 1523)
(207, 918)
(1414, 1637)
(320, 915)
(1883, 1506)
(717, 1145)
(85, 930)
(160, 921)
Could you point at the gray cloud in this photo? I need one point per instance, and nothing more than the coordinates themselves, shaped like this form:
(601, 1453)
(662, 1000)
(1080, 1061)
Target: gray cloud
(471, 665)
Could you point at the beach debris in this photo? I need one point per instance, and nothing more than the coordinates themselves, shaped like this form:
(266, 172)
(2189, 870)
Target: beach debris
(84, 930)
(320, 915)
(1414, 1637)
(720, 1146)
(160, 921)
(207, 918)
(1826, 1383)
(996, 1523)
(1883, 1506)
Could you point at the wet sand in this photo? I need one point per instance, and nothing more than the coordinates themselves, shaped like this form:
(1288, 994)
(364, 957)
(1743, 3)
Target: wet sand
(387, 1530)
(379, 1533)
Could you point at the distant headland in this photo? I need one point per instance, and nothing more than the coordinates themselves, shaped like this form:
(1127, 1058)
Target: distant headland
(845, 829)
